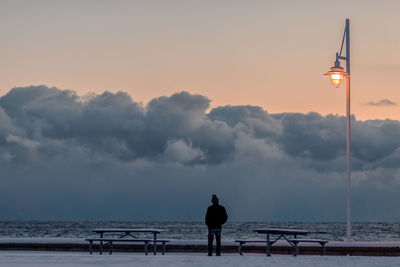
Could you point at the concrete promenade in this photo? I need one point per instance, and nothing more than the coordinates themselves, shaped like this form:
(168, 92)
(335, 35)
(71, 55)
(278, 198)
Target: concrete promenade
(200, 246)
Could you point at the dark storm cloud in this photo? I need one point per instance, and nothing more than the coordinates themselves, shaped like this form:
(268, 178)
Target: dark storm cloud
(249, 119)
(312, 136)
(109, 146)
(375, 140)
(383, 102)
(177, 128)
(323, 138)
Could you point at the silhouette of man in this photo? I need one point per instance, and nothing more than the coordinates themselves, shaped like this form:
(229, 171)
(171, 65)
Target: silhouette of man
(216, 216)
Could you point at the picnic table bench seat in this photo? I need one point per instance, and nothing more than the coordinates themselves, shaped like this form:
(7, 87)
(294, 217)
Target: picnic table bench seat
(110, 241)
(127, 232)
(244, 241)
(296, 241)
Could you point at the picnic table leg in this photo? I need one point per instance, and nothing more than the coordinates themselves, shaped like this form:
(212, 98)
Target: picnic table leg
(155, 243)
(101, 244)
(296, 249)
(111, 247)
(163, 248)
(91, 247)
(268, 247)
(240, 248)
(323, 249)
(145, 247)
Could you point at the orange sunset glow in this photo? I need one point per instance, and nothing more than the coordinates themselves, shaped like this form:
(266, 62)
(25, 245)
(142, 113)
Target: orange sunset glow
(264, 53)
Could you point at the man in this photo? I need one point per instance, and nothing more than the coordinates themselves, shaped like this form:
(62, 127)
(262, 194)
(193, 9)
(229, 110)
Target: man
(216, 216)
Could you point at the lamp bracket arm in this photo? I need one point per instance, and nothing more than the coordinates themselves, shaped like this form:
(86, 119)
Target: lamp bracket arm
(341, 47)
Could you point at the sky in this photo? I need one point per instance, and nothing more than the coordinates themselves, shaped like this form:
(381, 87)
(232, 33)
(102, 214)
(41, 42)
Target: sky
(140, 110)
(266, 53)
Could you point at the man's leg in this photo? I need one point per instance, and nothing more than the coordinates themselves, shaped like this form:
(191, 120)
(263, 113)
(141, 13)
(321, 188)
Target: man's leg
(218, 240)
(210, 241)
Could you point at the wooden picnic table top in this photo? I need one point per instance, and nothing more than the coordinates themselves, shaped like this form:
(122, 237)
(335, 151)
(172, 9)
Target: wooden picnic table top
(127, 230)
(281, 231)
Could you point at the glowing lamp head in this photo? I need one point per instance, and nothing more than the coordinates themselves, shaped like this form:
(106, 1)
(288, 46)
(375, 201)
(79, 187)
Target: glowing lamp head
(336, 74)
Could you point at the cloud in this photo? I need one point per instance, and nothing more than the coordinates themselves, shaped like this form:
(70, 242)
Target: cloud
(55, 144)
(383, 102)
(182, 152)
(22, 141)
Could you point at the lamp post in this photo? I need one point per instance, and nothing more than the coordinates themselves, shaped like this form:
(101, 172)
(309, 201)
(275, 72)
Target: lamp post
(337, 74)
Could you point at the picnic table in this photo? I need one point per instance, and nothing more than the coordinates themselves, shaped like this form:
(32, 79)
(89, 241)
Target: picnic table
(281, 233)
(124, 232)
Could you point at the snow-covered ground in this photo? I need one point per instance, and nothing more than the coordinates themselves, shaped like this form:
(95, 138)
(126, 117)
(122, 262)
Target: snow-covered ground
(15, 258)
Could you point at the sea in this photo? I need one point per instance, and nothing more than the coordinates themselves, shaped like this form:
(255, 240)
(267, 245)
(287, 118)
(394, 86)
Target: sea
(361, 231)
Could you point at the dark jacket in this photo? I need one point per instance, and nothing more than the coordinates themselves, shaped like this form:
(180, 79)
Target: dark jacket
(216, 216)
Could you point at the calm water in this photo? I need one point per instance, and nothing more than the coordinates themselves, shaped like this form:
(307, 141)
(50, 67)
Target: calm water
(197, 230)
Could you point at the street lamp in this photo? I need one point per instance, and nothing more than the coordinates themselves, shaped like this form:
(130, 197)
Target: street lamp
(337, 74)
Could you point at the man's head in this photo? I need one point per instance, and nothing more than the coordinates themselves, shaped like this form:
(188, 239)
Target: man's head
(214, 199)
